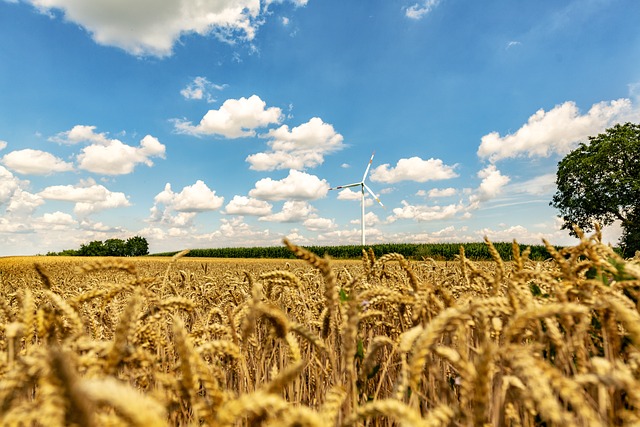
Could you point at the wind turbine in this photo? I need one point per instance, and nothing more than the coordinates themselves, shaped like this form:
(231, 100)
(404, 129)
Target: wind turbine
(363, 186)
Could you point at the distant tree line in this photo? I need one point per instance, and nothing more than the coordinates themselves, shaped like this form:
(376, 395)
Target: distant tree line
(134, 246)
(438, 251)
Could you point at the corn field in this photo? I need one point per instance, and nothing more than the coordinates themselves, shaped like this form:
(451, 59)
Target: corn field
(317, 342)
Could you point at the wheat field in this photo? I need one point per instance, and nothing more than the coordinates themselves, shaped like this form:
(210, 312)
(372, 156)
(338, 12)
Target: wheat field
(319, 342)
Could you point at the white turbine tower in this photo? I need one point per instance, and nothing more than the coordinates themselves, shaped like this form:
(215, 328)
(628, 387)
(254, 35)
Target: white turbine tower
(363, 186)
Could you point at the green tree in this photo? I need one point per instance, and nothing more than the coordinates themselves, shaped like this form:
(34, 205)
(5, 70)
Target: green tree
(115, 247)
(600, 182)
(95, 248)
(137, 246)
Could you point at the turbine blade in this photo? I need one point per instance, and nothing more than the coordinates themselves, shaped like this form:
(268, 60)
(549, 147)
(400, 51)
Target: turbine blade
(368, 166)
(373, 194)
(339, 187)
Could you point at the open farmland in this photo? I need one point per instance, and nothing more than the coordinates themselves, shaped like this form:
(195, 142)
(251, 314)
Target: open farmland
(315, 342)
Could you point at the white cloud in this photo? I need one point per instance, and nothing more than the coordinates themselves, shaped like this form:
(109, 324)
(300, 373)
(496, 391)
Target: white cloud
(292, 211)
(35, 162)
(348, 194)
(234, 119)
(370, 219)
(304, 146)
(557, 131)
(491, 186)
(24, 203)
(200, 88)
(177, 211)
(419, 10)
(353, 236)
(242, 205)
(439, 192)
(112, 200)
(147, 27)
(109, 156)
(115, 158)
(9, 184)
(444, 232)
(87, 192)
(60, 222)
(240, 233)
(507, 234)
(318, 224)
(80, 133)
(9, 225)
(414, 169)
(3, 144)
(58, 218)
(296, 186)
(425, 213)
(233, 227)
(192, 198)
(88, 197)
(171, 218)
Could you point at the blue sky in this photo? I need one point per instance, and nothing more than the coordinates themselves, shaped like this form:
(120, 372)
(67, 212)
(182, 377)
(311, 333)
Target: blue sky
(225, 123)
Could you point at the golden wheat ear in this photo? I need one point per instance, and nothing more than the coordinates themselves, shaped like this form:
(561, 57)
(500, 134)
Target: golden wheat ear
(135, 408)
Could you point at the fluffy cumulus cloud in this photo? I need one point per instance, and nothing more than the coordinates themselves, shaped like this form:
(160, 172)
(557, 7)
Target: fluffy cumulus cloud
(85, 192)
(88, 197)
(302, 147)
(556, 131)
(116, 158)
(296, 186)
(370, 219)
(177, 211)
(175, 220)
(292, 211)
(35, 162)
(318, 224)
(234, 119)
(107, 156)
(413, 169)
(349, 194)
(425, 213)
(112, 201)
(192, 198)
(149, 27)
(242, 205)
(234, 231)
(419, 10)
(9, 184)
(24, 203)
(81, 133)
(58, 218)
(492, 184)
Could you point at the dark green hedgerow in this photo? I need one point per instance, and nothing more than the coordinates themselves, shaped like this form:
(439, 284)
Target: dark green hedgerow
(437, 251)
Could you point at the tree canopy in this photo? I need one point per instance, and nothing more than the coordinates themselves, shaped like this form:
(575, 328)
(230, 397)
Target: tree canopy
(133, 246)
(600, 182)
